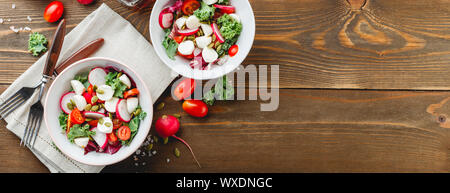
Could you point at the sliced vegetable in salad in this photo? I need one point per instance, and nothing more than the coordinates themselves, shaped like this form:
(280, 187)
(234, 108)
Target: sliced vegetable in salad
(101, 112)
(202, 31)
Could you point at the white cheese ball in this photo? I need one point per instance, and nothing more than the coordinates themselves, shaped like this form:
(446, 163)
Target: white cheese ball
(209, 55)
(181, 22)
(186, 48)
(207, 29)
(193, 22)
(203, 41)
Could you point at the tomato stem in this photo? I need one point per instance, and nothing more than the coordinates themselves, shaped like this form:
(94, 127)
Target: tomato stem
(189, 147)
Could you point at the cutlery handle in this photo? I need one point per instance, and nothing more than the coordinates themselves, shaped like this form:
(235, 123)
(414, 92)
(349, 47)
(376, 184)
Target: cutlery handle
(55, 48)
(82, 53)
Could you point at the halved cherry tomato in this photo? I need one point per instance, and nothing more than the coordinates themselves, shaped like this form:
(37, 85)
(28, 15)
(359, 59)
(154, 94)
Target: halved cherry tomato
(93, 123)
(190, 6)
(90, 90)
(178, 39)
(116, 123)
(53, 11)
(187, 56)
(196, 108)
(112, 137)
(130, 93)
(185, 89)
(124, 133)
(233, 50)
(76, 117)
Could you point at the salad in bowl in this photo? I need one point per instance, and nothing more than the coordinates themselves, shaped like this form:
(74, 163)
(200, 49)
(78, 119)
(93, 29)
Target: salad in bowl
(209, 37)
(103, 111)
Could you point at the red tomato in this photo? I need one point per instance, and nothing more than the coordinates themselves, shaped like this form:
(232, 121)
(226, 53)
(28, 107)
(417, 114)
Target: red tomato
(187, 56)
(112, 137)
(88, 98)
(196, 108)
(130, 93)
(189, 6)
(90, 90)
(178, 39)
(76, 117)
(124, 133)
(116, 123)
(184, 89)
(233, 50)
(53, 11)
(93, 123)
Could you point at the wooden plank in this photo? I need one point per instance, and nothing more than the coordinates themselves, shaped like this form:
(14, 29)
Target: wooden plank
(384, 44)
(312, 131)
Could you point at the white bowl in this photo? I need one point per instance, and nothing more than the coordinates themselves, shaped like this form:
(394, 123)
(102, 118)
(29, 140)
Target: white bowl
(52, 110)
(181, 65)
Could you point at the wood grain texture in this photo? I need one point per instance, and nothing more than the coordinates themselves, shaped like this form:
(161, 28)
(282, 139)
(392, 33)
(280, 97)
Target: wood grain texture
(383, 44)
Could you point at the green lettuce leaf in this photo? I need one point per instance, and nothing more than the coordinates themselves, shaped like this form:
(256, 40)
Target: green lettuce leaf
(78, 131)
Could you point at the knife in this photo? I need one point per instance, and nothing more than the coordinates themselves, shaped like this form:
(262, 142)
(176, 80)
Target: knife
(82, 53)
(55, 49)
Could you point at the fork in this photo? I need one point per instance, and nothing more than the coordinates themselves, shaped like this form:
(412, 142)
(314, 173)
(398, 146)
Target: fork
(37, 111)
(13, 102)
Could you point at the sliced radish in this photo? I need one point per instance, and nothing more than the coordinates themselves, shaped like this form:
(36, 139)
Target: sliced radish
(209, 55)
(188, 32)
(106, 126)
(132, 104)
(122, 111)
(65, 99)
(102, 110)
(165, 18)
(207, 30)
(110, 105)
(203, 41)
(100, 138)
(93, 115)
(80, 102)
(226, 8)
(186, 48)
(125, 80)
(78, 87)
(105, 92)
(193, 22)
(217, 33)
(97, 76)
(81, 141)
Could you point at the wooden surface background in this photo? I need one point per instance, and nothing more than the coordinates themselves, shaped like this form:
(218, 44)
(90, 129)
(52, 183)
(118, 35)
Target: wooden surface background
(320, 45)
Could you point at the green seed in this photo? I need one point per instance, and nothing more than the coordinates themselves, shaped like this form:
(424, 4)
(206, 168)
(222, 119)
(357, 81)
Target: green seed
(166, 140)
(119, 75)
(219, 47)
(160, 106)
(94, 99)
(70, 106)
(95, 108)
(137, 112)
(177, 115)
(211, 45)
(150, 147)
(94, 88)
(89, 119)
(110, 115)
(177, 152)
(100, 91)
(101, 121)
(156, 139)
(108, 124)
(214, 38)
(88, 107)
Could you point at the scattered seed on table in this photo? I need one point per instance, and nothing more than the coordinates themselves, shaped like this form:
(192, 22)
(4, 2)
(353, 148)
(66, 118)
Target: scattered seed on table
(160, 106)
(138, 152)
(136, 164)
(177, 152)
(154, 152)
(166, 140)
(168, 160)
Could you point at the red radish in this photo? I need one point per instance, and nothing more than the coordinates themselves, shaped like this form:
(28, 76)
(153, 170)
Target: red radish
(88, 98)
(85, 2)
(97, 76)
(93, 115)
(188, 32)
(168, 126)
(217, 33)
(122, 111)
(165, 18)
(225, 8)
(65, 99)
(100, 138)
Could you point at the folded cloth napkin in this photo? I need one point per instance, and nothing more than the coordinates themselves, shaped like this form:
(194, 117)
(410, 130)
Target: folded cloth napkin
(123, 43)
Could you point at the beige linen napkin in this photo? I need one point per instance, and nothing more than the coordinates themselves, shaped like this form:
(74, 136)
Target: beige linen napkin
(123, 43)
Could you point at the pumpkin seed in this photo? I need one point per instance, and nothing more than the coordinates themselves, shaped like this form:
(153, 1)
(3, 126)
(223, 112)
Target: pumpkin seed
(110, 115)
(156, 139)
(150, 147)
(108, 124)
(219, 47)
(70, 106)
(101, 121)
(177, 152)
(177, 115)
(166, 140)
(100, 91)
(119, 75)
(94, 99)
(88, 107)
(214, 38)
(137, 112)
(94, 88)
(89, 119)
(217, 44)
(95, 108)
(211, 45)
(160, 106)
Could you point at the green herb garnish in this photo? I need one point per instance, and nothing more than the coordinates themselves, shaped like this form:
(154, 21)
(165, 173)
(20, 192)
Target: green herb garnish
(37, 44)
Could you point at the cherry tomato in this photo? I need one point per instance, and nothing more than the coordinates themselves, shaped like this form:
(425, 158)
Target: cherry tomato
(124, 133)
(130, 93)
(88, 98)
(76, 117)
(196, 108)
(93, 123)
(190, 6)
(53, 11)
(117, 123)
(187, 56)
(178, 39)
(90, 90)
(233, 50)
(112, 137)
(185, 89)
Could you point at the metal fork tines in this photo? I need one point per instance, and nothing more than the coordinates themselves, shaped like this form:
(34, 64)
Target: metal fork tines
(13, 102)
(34, 120)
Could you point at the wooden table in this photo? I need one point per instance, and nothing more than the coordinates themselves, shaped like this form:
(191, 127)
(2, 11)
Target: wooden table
(353, 76)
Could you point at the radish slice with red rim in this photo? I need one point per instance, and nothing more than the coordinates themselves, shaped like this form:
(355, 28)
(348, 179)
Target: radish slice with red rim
(97, 76)
(216, 31)
(226, 8)
(93, 115)
(188, 32)
(65, 99)
(165, 18)
(100, 138)
(122, 111)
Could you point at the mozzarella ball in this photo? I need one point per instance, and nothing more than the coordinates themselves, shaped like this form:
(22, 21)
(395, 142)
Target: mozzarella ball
(193, 22)
(186, 48)
(209, 55)
(203, 41)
